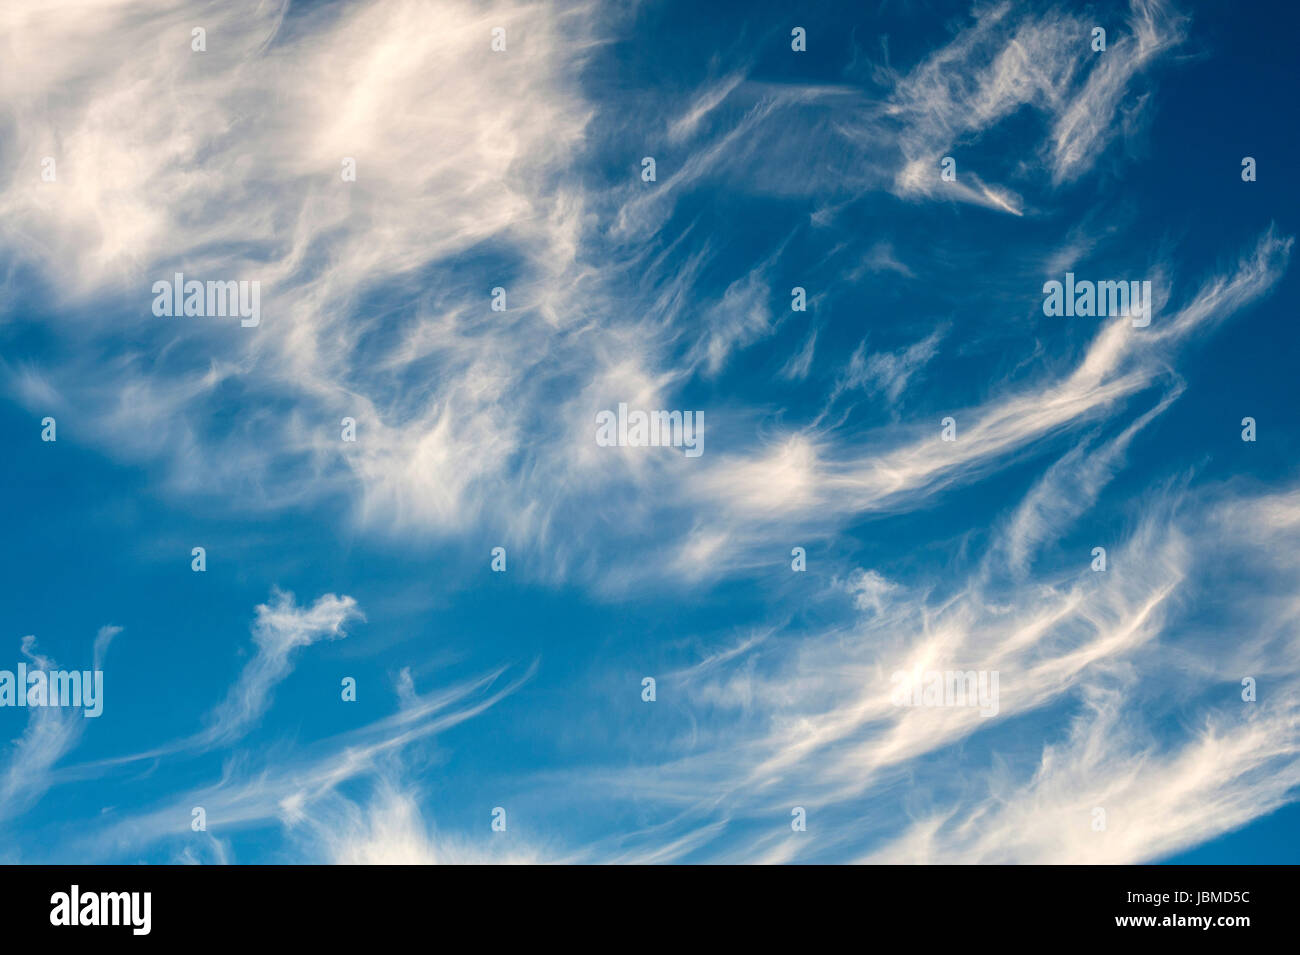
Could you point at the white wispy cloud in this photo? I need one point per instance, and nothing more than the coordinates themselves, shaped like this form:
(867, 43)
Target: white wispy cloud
(51, 733)
(374, 309)
(227, 164)
(806, 719)
(1227, 773)
(280, 629)
(798, 484)
(299, 788)
(1007, 59)
(391, 829)
(887, 373)
(1088, 120)
(800, 362)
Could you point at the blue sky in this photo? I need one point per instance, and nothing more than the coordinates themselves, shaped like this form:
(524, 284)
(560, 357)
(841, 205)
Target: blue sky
(1119, 690)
